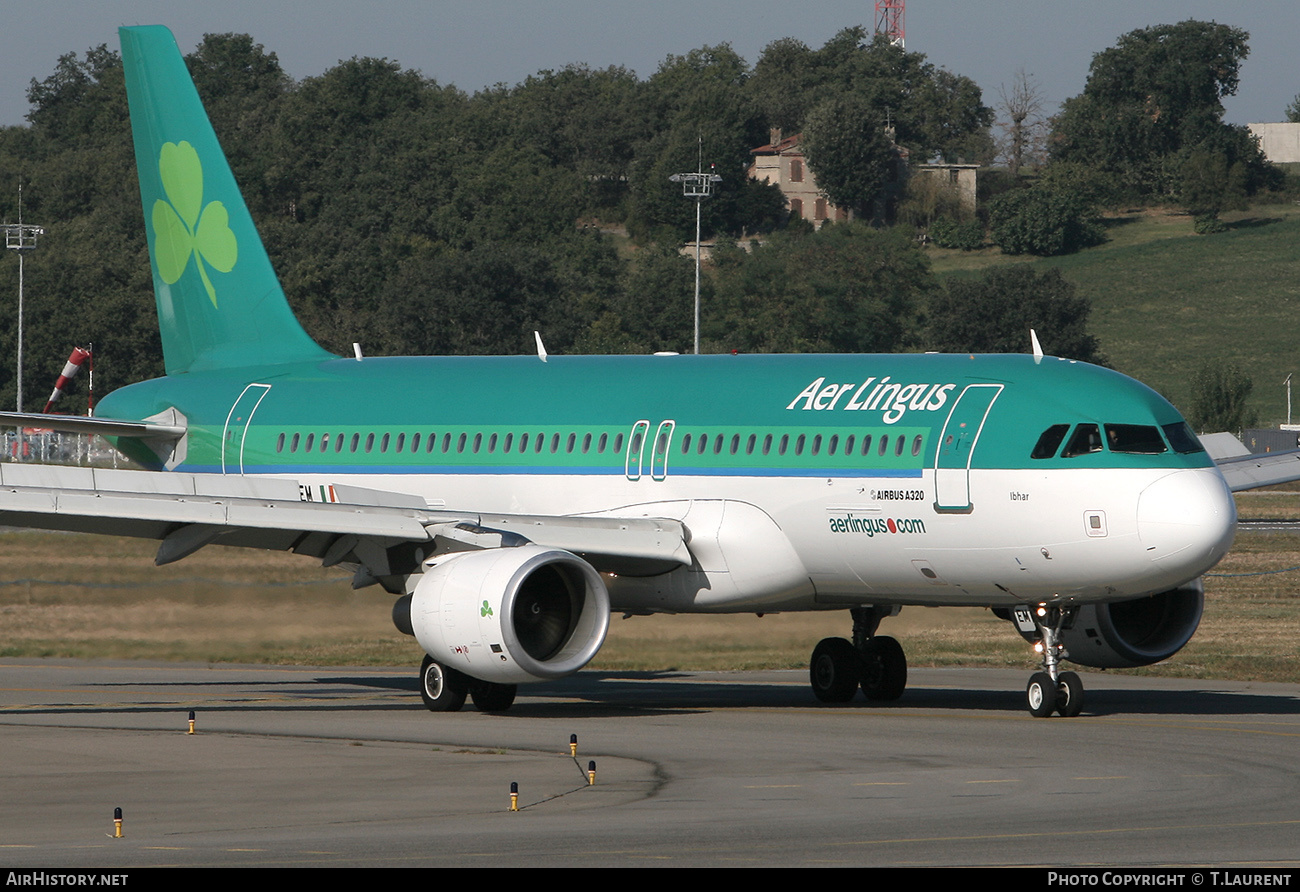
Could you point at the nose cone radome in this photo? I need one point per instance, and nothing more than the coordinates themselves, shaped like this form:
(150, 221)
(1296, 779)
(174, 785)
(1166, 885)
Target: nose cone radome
(1187, 519)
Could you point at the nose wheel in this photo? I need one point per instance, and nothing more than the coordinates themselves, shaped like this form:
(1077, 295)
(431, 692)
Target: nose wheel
(1052, 690)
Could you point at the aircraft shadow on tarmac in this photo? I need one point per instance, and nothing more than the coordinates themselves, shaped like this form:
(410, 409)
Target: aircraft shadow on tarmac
(611, 694)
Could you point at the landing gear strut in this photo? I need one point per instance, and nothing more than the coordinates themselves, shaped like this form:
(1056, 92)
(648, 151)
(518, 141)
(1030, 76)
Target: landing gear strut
(875, 663)
(1052, 690)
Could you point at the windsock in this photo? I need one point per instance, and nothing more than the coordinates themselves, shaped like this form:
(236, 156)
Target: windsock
(70, 369)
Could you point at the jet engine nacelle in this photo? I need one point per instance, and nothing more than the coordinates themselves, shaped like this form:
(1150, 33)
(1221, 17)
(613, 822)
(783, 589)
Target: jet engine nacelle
(510, 615)
(1124, 634)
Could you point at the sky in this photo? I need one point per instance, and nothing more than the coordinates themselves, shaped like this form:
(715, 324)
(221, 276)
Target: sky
(478, 44)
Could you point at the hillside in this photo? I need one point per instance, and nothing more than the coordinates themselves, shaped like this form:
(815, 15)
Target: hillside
(1165, 299)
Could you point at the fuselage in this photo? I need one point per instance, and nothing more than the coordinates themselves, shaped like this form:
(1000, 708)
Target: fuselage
(806, 481)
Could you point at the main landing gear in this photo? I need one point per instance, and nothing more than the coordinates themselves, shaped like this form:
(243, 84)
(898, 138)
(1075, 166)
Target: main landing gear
(875, 663)
(1051, 690)
(444, 689)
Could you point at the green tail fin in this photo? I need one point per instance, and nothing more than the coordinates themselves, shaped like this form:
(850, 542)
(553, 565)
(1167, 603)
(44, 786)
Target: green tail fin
(220, 304)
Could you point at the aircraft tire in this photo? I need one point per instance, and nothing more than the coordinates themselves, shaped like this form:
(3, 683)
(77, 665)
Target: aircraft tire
(884, 669)
(442, 688)
(1041, 695)
(835, 670)
(491, 697)
(1069, 694)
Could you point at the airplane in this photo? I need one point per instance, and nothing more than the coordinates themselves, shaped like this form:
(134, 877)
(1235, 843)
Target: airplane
(509, 504)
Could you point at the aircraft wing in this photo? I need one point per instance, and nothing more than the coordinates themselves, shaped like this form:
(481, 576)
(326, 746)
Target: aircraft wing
(85, 424)
(383, 532)
(1246, 470)
(1265, 469)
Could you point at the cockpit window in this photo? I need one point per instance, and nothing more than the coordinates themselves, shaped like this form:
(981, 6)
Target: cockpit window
(1141, 439)
(1086, 439)
(1182, 439)
(1049, 441)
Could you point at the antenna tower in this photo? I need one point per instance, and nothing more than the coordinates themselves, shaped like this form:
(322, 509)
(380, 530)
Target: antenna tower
(889, 20)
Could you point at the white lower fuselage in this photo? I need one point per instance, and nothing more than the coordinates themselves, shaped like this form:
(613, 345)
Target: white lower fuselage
(799, 543)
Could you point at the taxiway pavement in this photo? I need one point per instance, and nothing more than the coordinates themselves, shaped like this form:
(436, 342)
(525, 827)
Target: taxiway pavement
(301, 766)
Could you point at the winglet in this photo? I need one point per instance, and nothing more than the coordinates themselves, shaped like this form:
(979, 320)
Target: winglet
(1037, 347)
(541, 348)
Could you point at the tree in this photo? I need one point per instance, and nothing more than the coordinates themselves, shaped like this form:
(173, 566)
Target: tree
(699, 111)
(1151, 99)
(1041, 221)
(1209, 186)
(847, 288)
(995, 313)
(1293, 111)
(932, 111)
(848, 151)
(1220, 391)
(1024, 129)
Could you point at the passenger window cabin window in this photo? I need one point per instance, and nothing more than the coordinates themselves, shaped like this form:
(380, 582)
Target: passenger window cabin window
(415, 442)
(1085, 439)
(618, 442)
(898, 447)
(356, 441)
(884, 446)
(311, 441)
(507, 443)
(492, 443)
(293, 444)
(750, 443)
(401, 442)
(383, 443)
(785, 443)
(767, 444)
(370, 442)
(604, 441)
(866, 444)
(279, 443)
(1049, 441)
(686, 444)
(799, 443)
(916, 445)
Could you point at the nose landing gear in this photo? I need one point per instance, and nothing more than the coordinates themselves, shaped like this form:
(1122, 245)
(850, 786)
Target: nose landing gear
(1052, 690)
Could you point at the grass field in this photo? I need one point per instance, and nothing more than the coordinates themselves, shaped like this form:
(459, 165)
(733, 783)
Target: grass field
(1165, 299)
(98, 597)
